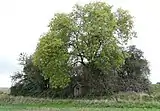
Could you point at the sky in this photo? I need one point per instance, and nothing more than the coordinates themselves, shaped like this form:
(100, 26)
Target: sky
(22, 22)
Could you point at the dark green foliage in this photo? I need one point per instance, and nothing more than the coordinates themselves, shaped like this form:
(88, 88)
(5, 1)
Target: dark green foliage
(134, 74)
(29, 81)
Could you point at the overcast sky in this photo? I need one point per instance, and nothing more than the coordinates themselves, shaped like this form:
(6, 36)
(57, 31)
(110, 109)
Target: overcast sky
(23, 21)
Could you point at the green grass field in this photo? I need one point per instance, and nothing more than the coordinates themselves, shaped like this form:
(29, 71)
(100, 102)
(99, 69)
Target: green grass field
(80, 107)
(37, 108)
(128, 102)
(60, 105)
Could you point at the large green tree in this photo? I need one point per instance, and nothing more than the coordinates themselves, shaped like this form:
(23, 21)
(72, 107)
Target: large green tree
(91, 35)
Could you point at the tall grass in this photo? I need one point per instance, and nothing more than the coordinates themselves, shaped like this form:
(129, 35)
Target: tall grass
(125, 100)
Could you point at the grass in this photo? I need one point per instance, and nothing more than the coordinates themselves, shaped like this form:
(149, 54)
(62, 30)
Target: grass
(7, 100)
(96, 109)
(37, 108)
(127, 102)
(35, 104)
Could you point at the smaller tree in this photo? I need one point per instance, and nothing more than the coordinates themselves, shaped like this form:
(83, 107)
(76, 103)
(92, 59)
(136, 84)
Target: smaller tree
(29, 81)
(134, 74)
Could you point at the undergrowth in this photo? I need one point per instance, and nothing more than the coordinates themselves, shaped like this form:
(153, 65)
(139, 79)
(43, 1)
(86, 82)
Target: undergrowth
(128, 100)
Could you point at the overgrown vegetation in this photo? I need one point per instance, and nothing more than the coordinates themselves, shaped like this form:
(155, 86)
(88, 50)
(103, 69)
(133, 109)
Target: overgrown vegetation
(126, 101)
(87, 47)
(84, 62)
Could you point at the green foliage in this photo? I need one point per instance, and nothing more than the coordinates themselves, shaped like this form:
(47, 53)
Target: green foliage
(85, 47)
(29, 81)
(89, 34)
(134, 73)
(32, 83)
(52, 59)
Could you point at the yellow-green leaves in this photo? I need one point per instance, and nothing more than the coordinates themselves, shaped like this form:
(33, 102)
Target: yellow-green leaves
(89, 34)
(51, 57)
(125, 26)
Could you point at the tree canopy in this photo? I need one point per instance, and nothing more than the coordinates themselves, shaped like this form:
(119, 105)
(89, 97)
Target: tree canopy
(90, 34)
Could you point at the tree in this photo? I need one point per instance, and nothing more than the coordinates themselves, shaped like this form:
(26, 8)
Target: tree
(91, 35)
(135, 72)
(29, 81)
(131, 76)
